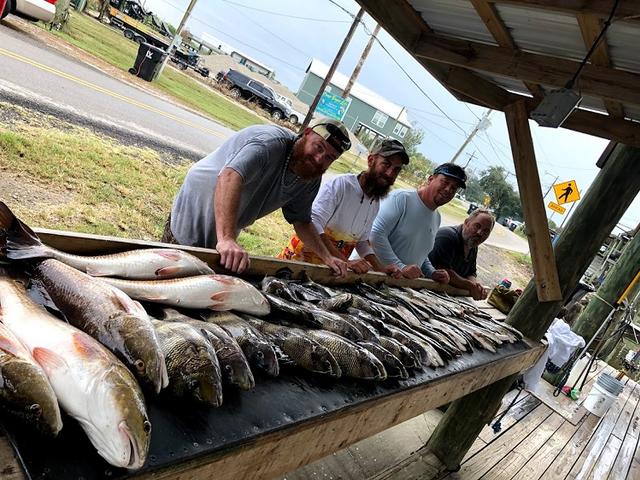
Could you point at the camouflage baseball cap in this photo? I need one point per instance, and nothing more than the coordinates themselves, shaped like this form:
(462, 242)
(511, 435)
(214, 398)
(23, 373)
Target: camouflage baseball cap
(389, 147)
(334, 132)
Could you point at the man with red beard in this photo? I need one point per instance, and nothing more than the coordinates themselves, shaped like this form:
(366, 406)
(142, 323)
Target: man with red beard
(255, 172)
(456, 251)
(405, 228)
(345, 208)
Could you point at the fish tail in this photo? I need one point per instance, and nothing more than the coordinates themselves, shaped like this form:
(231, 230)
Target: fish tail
(20, 241)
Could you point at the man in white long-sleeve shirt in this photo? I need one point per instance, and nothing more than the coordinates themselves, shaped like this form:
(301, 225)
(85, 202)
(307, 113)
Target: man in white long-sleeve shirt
(345, 208)
(405, 229)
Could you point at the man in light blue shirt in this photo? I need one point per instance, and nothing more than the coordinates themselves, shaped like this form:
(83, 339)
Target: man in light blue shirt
(405, 229)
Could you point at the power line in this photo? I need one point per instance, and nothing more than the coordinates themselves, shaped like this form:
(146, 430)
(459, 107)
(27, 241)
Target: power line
(352, 15)
(279, 14)
(286, 42)
(238, 40)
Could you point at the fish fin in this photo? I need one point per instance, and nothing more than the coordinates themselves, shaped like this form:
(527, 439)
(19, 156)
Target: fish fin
(169, 254)
(96, 271)
(219, 300)
(168, 272)
(122, 300)
(9, 346)
(21, 242)
(48, 359)
(224, 279)
(85, 345)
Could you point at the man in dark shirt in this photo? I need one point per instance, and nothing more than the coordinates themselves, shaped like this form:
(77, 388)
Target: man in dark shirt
(456, 249)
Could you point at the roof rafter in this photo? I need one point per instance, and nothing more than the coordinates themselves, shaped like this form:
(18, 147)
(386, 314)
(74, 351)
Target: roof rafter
(590, 26)
(491, 18)
(597, 81)
(627, 9)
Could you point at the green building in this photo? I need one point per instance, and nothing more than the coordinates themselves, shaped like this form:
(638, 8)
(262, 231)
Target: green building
(363, 110)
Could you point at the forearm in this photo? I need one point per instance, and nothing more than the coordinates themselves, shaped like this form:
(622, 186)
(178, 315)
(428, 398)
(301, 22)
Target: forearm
(226, 201)
(307, 233)
(375, 262)
(458, 281)
(328, 243)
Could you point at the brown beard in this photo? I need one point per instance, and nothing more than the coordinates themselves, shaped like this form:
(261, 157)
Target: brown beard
(298, 163)
(374, 187)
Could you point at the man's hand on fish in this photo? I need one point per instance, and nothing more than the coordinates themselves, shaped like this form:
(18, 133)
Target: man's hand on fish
(232, 256)
(477, 291)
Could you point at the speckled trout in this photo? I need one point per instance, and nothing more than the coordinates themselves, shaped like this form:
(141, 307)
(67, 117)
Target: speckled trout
(91, 385)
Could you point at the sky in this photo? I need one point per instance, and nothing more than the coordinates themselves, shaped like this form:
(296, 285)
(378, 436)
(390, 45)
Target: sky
(287, 34)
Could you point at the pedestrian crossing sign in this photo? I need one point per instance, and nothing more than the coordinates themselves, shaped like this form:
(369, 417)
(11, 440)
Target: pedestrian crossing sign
(566, 192)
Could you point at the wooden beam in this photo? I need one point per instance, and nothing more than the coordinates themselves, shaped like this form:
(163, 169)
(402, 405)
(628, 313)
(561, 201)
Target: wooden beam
(590, 27)
(537, 228)
(602, 8)
(88, 244)
(596, 81)
(491, 18)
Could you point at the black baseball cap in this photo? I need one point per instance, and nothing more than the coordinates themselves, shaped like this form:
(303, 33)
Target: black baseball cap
(454, 171)
(334, 132)
(389, 147)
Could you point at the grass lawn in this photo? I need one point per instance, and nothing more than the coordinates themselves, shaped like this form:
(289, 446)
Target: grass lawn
(112, 47)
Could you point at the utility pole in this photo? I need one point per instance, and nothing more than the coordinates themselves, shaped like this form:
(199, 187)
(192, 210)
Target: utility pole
(187, 13)
(483, 124)
(332, 69)
(471, 157)
(363, 57)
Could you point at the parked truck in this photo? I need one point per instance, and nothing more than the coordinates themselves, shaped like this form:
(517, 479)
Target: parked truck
(139, 25)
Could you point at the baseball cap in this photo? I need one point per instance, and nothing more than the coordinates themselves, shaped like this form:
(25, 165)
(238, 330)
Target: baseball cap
(389, 147)
(454, 171)
(334, 132)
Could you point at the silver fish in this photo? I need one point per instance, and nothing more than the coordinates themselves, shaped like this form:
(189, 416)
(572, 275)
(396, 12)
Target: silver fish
(109, 316)
(91, 385)
(144, 264)
(25, 391)
(216, 292)
(392, 365)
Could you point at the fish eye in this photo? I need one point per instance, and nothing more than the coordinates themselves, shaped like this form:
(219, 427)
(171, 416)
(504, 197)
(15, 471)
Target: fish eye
(260, 355)
(146, 426)
(139, 364)
(36, 409)
(194, 384)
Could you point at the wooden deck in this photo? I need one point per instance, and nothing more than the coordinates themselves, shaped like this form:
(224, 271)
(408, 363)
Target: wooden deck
(535, 442)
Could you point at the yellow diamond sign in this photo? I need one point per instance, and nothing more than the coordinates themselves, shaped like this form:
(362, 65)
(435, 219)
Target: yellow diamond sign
(566, 192)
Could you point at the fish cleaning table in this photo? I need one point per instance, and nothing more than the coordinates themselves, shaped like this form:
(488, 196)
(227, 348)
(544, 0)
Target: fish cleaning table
(282, 424)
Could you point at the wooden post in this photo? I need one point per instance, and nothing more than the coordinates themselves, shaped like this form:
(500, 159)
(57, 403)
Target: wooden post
(535, 216)
(617, 282)
(332, 69)
(607, 199)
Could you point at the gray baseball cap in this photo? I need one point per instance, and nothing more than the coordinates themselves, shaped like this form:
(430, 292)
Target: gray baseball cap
(389, 147)
(334, 132)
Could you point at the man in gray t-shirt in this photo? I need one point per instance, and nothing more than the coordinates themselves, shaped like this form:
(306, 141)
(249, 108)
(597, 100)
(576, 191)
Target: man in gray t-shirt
(253, 173)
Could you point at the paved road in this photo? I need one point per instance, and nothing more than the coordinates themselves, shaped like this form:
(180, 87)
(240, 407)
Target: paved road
(39, 77)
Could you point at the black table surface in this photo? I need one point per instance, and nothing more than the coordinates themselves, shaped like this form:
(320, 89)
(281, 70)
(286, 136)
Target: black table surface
(183, 430)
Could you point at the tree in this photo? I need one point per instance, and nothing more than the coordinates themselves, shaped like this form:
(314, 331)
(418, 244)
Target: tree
(474, 191)
(504, 200)
(413, 139)
(419, 168)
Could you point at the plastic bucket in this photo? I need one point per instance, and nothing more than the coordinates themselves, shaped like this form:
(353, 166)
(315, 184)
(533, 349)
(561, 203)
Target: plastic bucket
(599, 400)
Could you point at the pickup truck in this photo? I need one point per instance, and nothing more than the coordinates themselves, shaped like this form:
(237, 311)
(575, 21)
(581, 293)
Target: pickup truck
(242, 86)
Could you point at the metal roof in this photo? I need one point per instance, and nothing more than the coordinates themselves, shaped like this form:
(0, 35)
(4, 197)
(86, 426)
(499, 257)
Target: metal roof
(361, 92)
(456, 40)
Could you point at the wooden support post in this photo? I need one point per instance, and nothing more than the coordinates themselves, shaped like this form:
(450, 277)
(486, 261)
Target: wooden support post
(537, 228)
(607, 199)
(619, 278)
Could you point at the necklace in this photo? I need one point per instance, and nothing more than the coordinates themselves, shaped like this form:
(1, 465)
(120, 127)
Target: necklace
(286, 169)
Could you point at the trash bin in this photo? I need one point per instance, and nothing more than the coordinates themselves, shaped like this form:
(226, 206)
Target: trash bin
(147, 62)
